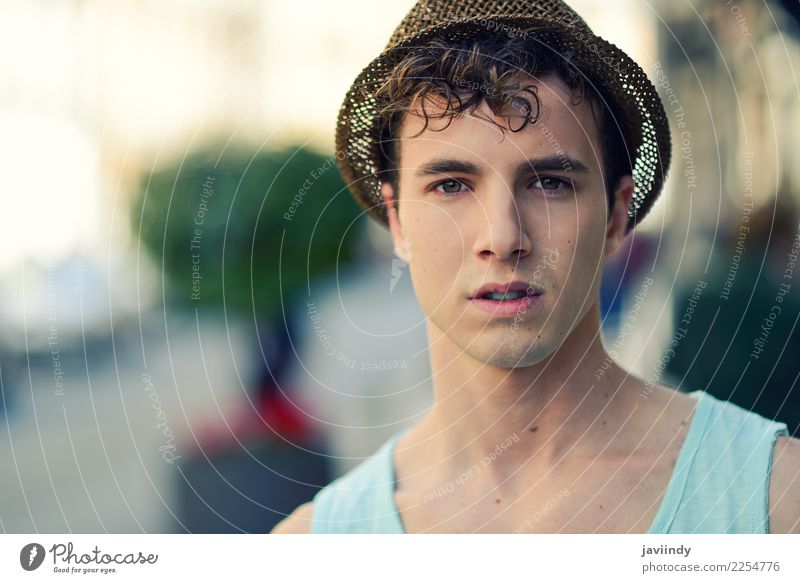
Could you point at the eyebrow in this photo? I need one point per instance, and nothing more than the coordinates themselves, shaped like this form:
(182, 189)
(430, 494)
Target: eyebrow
(561, 163)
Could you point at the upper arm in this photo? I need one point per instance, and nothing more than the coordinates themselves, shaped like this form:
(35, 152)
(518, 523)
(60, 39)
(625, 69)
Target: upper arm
(784, 487)
(298, 522)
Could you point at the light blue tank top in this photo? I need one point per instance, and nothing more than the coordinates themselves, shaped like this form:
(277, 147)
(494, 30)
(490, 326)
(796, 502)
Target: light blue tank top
(720, 483)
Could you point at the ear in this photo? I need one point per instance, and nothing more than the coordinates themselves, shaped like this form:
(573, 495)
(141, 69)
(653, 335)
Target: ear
(618, 221)
(401, 244)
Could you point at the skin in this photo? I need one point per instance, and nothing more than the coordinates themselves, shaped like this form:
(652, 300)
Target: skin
(534, 378)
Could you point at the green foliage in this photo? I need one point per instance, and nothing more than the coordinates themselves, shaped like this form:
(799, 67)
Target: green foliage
(217, 227)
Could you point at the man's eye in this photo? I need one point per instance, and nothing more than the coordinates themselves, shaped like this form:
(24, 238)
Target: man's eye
(448, 186)
(550, 183)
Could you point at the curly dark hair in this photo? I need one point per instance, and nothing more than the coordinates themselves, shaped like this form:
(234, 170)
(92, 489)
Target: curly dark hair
(492, 68)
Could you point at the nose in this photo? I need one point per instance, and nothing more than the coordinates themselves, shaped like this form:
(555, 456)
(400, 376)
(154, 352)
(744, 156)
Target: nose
(502, 230)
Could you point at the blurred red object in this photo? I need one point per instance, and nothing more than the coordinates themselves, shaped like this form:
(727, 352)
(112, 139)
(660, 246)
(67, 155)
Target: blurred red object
(274, 416)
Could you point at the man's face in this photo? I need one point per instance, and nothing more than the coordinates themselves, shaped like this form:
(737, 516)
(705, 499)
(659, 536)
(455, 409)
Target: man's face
(481, 206)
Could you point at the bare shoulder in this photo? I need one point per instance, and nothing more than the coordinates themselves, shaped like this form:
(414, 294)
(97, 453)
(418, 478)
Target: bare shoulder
(668, 404)
(784, 487)
(298, 522)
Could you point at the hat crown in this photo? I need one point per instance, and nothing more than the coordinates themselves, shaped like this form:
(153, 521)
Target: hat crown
(428, 13)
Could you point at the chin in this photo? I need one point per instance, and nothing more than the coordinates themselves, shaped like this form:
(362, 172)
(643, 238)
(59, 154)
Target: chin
(511, 352)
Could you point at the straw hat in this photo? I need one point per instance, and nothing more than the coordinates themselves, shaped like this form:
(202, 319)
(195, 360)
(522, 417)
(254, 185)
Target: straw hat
(553, 25)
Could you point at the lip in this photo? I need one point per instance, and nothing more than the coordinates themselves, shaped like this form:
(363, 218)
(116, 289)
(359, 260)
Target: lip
(506, 309)
(529, 289)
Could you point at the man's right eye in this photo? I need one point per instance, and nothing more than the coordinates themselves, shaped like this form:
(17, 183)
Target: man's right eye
(449, 187)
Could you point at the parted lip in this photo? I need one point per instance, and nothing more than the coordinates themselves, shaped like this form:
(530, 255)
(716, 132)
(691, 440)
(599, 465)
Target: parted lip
(512, 286)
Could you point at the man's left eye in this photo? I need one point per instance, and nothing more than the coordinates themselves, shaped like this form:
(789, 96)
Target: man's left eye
(549, 183)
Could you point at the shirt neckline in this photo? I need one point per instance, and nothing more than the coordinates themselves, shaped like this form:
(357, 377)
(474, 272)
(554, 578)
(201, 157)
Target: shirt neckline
(669, 504)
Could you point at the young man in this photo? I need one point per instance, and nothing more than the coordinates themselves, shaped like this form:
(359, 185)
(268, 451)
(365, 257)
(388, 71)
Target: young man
(510, 152)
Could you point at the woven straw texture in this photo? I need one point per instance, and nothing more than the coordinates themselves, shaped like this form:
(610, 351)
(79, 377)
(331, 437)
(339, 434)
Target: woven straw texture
(551, 25)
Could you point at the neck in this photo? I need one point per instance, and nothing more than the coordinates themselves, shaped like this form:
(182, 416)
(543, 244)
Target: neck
(561, 405)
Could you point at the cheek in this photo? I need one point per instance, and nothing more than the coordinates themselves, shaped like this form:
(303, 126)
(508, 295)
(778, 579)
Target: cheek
(571, 247)
(433, 235)
(436, 252)
(580, 225)
(582, 261)
(437, 255)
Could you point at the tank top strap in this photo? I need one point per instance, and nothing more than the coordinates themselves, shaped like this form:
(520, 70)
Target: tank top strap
(725, 484)
(362, 500)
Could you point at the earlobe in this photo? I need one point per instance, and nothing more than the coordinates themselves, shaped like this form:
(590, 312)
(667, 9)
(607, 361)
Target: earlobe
(400, 244)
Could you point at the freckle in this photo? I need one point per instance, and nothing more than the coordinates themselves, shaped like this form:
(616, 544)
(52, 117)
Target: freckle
(534, 429)
(497, 501)
(604, 421)
(601, 506)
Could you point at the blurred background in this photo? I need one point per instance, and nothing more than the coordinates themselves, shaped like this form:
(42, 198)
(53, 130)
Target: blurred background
(194, 334)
